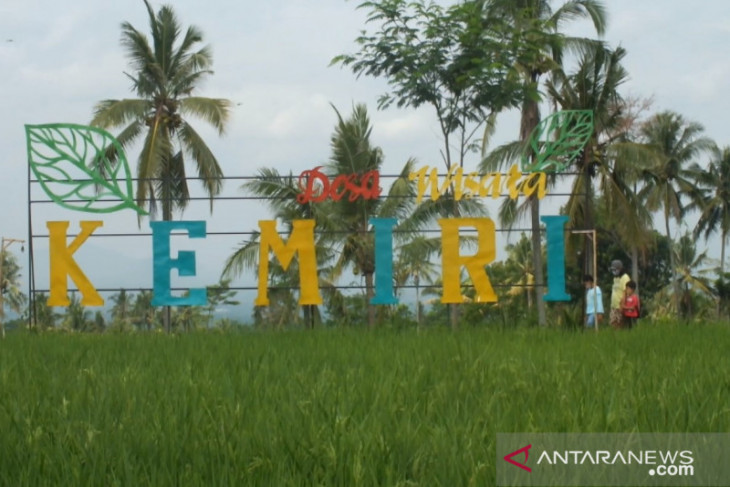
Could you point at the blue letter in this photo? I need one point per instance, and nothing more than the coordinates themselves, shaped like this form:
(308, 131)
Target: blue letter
(185, 264)
(383, 261)
(555, 258)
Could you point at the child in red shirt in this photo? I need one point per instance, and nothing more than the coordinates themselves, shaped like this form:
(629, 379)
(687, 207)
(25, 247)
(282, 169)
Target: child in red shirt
(630, 305)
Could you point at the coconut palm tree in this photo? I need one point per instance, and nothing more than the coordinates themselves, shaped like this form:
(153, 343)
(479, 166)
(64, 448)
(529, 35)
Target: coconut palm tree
(167, 70)
(593, 86)
(12, 296)
(45, 317)
(77, 317)
(280, 193)
(691, 279)
(541, 25)
(414, 264)
(676, 144)
(715, 208)
(145, 315)
(122, 309)
(519, 262)
(353, 153)
(611, 157)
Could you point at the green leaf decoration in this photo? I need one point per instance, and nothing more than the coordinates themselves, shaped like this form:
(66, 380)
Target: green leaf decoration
(80, 168)
(558, 140)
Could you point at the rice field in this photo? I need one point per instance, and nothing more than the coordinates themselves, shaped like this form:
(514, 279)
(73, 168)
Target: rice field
(340, 406)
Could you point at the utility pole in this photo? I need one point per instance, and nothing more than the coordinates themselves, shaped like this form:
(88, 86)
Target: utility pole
(5, 243)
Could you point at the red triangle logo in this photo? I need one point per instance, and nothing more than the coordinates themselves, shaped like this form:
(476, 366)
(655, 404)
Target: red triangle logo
(526, 451)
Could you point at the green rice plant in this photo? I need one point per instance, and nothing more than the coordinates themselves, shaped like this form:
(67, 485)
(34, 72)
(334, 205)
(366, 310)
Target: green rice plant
(337, 407)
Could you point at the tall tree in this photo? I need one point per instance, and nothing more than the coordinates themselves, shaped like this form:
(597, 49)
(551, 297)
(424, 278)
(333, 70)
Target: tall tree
(676, 144)
(454, 59)
(166, 72)
(12, 296)
(353, 153)
(715, 207)
(539, 25)
(610, 157)
(167, 69)
(691, 279)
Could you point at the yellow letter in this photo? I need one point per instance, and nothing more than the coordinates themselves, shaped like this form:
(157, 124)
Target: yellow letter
(471, 185)
(495, 185)
(423, 181)
(301, 240)
(451, 261)
(534, 182)
(63, 265)
(514, 175)
(457, 178)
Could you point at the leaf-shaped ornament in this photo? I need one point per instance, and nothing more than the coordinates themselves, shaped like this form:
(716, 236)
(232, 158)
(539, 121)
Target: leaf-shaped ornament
(80, 168)
(558, 140)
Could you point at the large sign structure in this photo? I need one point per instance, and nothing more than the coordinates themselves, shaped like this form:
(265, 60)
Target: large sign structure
(85, 169)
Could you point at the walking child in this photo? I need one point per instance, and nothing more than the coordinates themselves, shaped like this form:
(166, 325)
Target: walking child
(594, 302)
(631, 305)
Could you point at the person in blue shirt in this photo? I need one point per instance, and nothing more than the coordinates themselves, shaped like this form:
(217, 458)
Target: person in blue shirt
(594, 302)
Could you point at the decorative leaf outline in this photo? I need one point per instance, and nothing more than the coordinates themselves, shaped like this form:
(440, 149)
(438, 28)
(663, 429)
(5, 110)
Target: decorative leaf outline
(558, 140)
(59, 151)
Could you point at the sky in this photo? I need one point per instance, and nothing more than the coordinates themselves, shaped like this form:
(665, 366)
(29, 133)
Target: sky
(272, 60)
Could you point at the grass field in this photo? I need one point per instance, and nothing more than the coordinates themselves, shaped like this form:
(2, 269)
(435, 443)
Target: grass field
(337, 407)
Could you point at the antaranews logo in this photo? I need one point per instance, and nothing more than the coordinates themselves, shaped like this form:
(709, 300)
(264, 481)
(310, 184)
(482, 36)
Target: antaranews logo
(662, 463)
(612, 459)
(510, 457)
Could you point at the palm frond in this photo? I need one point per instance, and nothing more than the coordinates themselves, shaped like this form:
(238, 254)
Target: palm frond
(215, 111)
(113, 113)
(246, 257)
(206, 164)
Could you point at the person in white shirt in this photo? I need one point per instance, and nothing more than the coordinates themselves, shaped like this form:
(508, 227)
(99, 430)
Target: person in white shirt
(594, 302)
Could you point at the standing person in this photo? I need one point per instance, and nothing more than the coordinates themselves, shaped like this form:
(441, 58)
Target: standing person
(631, 304)
(594, 302)
(620, 279)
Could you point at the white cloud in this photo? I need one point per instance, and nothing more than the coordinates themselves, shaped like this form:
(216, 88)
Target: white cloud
(302, 117)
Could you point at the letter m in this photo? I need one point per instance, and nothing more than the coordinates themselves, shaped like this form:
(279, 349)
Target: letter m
(300, 241)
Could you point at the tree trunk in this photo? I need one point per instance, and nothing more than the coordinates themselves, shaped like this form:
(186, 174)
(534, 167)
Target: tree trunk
(588, 223)
(167, 216)
(418, 300)
(369, 292)
(309, 316)
(723, 241)
(635, 265)
(530, 118)
(672, 265)
(453, 315)
(537, 260)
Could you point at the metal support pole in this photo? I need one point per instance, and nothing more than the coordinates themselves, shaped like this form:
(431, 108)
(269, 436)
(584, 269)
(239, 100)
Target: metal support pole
(592, 235)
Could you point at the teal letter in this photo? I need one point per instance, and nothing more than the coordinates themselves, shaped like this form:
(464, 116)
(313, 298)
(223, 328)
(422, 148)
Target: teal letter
(383, 260)
(185, 264)
(555, 258)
